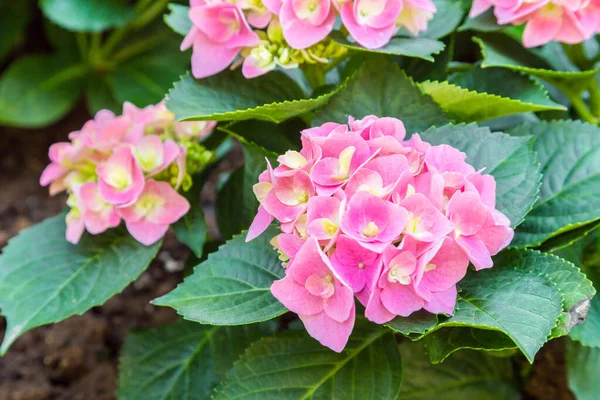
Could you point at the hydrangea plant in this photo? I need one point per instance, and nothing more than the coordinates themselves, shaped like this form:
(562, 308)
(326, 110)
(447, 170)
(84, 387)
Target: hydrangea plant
(419, 194)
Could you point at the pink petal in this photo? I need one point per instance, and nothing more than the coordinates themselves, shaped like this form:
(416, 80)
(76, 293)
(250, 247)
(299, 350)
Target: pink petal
(467, 212)
(295, 297)
(542, 27)
(442, 302)
(478, 254)
(401, 299)
(341, 304)
(261, 222)
(327, 331)
(210, 58)
(146, 232)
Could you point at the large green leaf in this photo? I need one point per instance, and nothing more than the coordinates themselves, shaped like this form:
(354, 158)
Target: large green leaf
(482, 94)
(380, 88)
(501, 51)
(292, 365)
(399, 46)
(465, 375)
(178, 19)
(528, 296)
(45, 279)
(582, 370)
(14, 17)
(509, 159)
(191, 229)
(88, 15)
(569, 154)
(38, 90)
(183, 361)
(232, 287)
(229, 96)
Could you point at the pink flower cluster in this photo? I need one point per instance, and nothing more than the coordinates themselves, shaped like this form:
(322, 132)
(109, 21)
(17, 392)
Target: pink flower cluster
(125, 167)
(366, 213)
(223, 29)
(566, 21)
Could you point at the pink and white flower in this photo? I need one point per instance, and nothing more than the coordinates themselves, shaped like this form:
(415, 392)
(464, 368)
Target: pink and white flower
(306, 22)
(372, 23)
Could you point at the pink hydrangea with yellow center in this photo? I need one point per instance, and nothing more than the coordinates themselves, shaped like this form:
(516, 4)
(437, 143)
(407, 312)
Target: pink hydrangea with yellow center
(366, 213)
(566, 21)
(265, 34)
(126, 168)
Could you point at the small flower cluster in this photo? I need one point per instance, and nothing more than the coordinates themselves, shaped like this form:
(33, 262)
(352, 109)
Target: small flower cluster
(129, 168)
(566, 21)
(291, 32)
(366, 213)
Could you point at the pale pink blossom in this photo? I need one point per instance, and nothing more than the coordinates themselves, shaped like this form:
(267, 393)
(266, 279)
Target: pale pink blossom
(312, 290)
(98, 215)
(415, 15)
(306, 22)
(158, 206)
(219, 33)
(120, 178)
(372, 23)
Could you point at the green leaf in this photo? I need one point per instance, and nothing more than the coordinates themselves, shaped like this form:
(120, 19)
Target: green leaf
(528, 296)
(582, 370)
(38, 90)
(292, 365)
(509, 159)
(146, 79)
(45, 279)
(178, 19)
(14, 17)
(191, 229)
(380, 88)
(399, 46)
(483, 94)
(414, 326)
(568, 152)
(566, 239)
(501, 51)
(486, 22)
(228, 96)
(182, 361)
(232, 287)
(465, 375)
(448, 16)
(88, 15)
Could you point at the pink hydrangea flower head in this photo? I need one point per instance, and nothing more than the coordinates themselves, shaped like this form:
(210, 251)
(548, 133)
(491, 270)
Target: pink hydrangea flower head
(120, 178)
(158, 206)
(105, 131)
(425, 222)
(98, 215)
(372, 23)
(220, 31)
(354, 264)
(306, 22)
(373, 222)
(324, 217)
(312, 290)
(415, 15)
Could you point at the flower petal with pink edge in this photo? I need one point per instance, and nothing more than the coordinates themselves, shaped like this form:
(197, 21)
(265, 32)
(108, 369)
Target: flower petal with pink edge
(367, 36)
(442, 268)
(261, 222)
(467, 213)
(543, 26)
(355, 265)
(475, 249)
(295, 297)
(210, 58)
(376, 311)
(146, 232)
(327, 331)
(299, 31)
(442, 302)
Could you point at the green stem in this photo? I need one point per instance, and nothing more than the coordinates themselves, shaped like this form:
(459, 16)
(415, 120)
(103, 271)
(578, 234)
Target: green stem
(582, 109)
(82, 44)
(594, 97)
(95, 44)
(137, 48)
(147, 16)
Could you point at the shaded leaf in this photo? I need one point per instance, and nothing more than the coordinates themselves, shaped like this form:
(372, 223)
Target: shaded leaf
(232, 287)
(45, 279)
(582, 370)
(292, 365)
(182, 361)
(380, 88)
(14, 17)
(178, 19)
(569, 154)
(88, 15)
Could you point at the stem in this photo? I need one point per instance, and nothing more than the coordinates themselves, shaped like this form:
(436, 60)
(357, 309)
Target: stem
(82, 44)
(138, 47)
(95, 42)
(594, 97)
(582, 109)
(141, 21)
